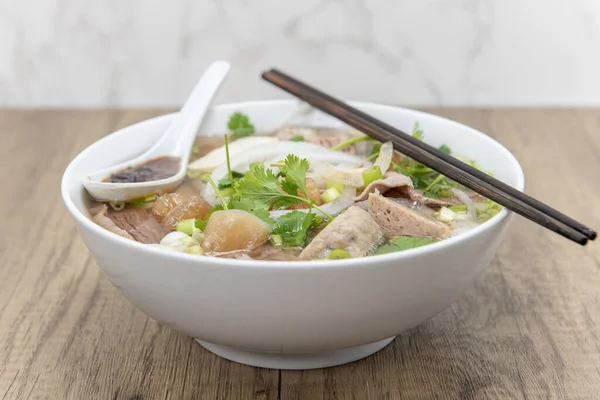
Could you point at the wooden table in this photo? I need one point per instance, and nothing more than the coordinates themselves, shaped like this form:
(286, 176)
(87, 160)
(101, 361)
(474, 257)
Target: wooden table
(528, 328)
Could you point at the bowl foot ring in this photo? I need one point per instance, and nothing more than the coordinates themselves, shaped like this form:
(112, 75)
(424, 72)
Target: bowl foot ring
(323, 359)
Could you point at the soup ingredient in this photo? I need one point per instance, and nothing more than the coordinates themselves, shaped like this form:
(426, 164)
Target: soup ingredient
(326, 137)
(445, 215)
(233, 230)
(217, 157)
(398, 220)
(261, 186)
(143, 202)
(338, 254)
(404, 185)
(187, 226)
(178, 240)
(401, 243)
(191, 208)
(239, 125)
(99, 217)
(371, 174)
(330, 195)
(196, 249)
(486, 210)
(165, 203)
(354, 231)
(152, 170)
(384, 159)
(291, 229)
(139, 223)
(117, 205)
(338, 184)
(345, 200)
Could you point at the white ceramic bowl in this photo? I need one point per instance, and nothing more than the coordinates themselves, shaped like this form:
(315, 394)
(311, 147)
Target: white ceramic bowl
(296, 315)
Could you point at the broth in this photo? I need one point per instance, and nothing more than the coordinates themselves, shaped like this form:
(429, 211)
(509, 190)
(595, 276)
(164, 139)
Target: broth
(152, 170)
(301, 193)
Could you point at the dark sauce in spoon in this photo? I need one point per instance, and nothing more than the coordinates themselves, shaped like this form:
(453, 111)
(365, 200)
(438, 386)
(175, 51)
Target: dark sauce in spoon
(152, 170)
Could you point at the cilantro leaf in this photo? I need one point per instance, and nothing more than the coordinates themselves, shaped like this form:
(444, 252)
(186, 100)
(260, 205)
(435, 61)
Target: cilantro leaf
(294, 170)
(293, 227)
(417, 131)
(225, 182)
(445, 149)
(261, 186)
(239, 125)
(245, 204)
(401, 243)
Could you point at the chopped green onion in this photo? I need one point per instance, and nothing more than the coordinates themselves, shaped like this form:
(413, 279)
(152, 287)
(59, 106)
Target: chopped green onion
(141, 202)
(371, 174)
(461, 208)
(336, 183)
(193, 174)
(117, 205)
(446, 193)
(186, 226)
(338, 254)
(330, 195)
(195, 149)
(445, 215)
(481, 207)
(297, 138)
(276, 240)
(350, 141)
(196, 249)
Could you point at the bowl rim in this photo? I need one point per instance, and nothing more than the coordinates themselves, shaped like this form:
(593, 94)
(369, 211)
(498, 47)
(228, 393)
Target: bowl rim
(343, 263)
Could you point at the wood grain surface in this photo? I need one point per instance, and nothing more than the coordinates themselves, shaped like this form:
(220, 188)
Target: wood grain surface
(527, 329)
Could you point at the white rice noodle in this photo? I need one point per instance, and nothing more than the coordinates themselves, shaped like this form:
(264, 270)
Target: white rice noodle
(279, 151)
(345, 200)
(384, 159)
(462, 196)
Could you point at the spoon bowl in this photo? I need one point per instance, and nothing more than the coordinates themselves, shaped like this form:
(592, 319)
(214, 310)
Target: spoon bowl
(176, 141)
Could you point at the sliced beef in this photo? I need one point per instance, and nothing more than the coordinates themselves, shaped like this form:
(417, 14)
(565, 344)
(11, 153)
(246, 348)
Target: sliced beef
(402, 185)
(396, 219)
(100, 218)
(354, 231)
(139, 223)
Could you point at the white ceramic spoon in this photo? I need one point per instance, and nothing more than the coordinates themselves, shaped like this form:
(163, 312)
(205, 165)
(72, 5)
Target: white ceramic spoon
(177, 141)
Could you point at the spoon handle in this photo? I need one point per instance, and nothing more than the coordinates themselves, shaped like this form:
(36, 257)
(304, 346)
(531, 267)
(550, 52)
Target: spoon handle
(180, 135)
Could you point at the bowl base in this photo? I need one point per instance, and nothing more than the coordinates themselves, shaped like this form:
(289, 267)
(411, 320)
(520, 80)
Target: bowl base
(322, 359)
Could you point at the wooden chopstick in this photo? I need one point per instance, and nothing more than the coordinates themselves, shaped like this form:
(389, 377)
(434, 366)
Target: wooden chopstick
(439, 161)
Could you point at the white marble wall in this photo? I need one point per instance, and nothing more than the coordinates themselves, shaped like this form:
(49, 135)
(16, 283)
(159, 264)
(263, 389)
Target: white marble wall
(96, 53)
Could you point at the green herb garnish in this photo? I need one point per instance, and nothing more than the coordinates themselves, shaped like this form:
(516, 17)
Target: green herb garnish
(292, 227)
(261, 186)
(297, 138)
(401, 243)
(227, 183)
(445, 149)
(239, 125)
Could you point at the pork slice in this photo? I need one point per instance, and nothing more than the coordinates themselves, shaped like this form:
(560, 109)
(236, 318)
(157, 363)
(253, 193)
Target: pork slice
(100, 218)
(398, 220)
(139, 223)
(354, 231)
(402, 184)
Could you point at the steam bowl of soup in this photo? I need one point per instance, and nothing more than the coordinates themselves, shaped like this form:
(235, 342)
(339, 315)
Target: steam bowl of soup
(298, 242)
